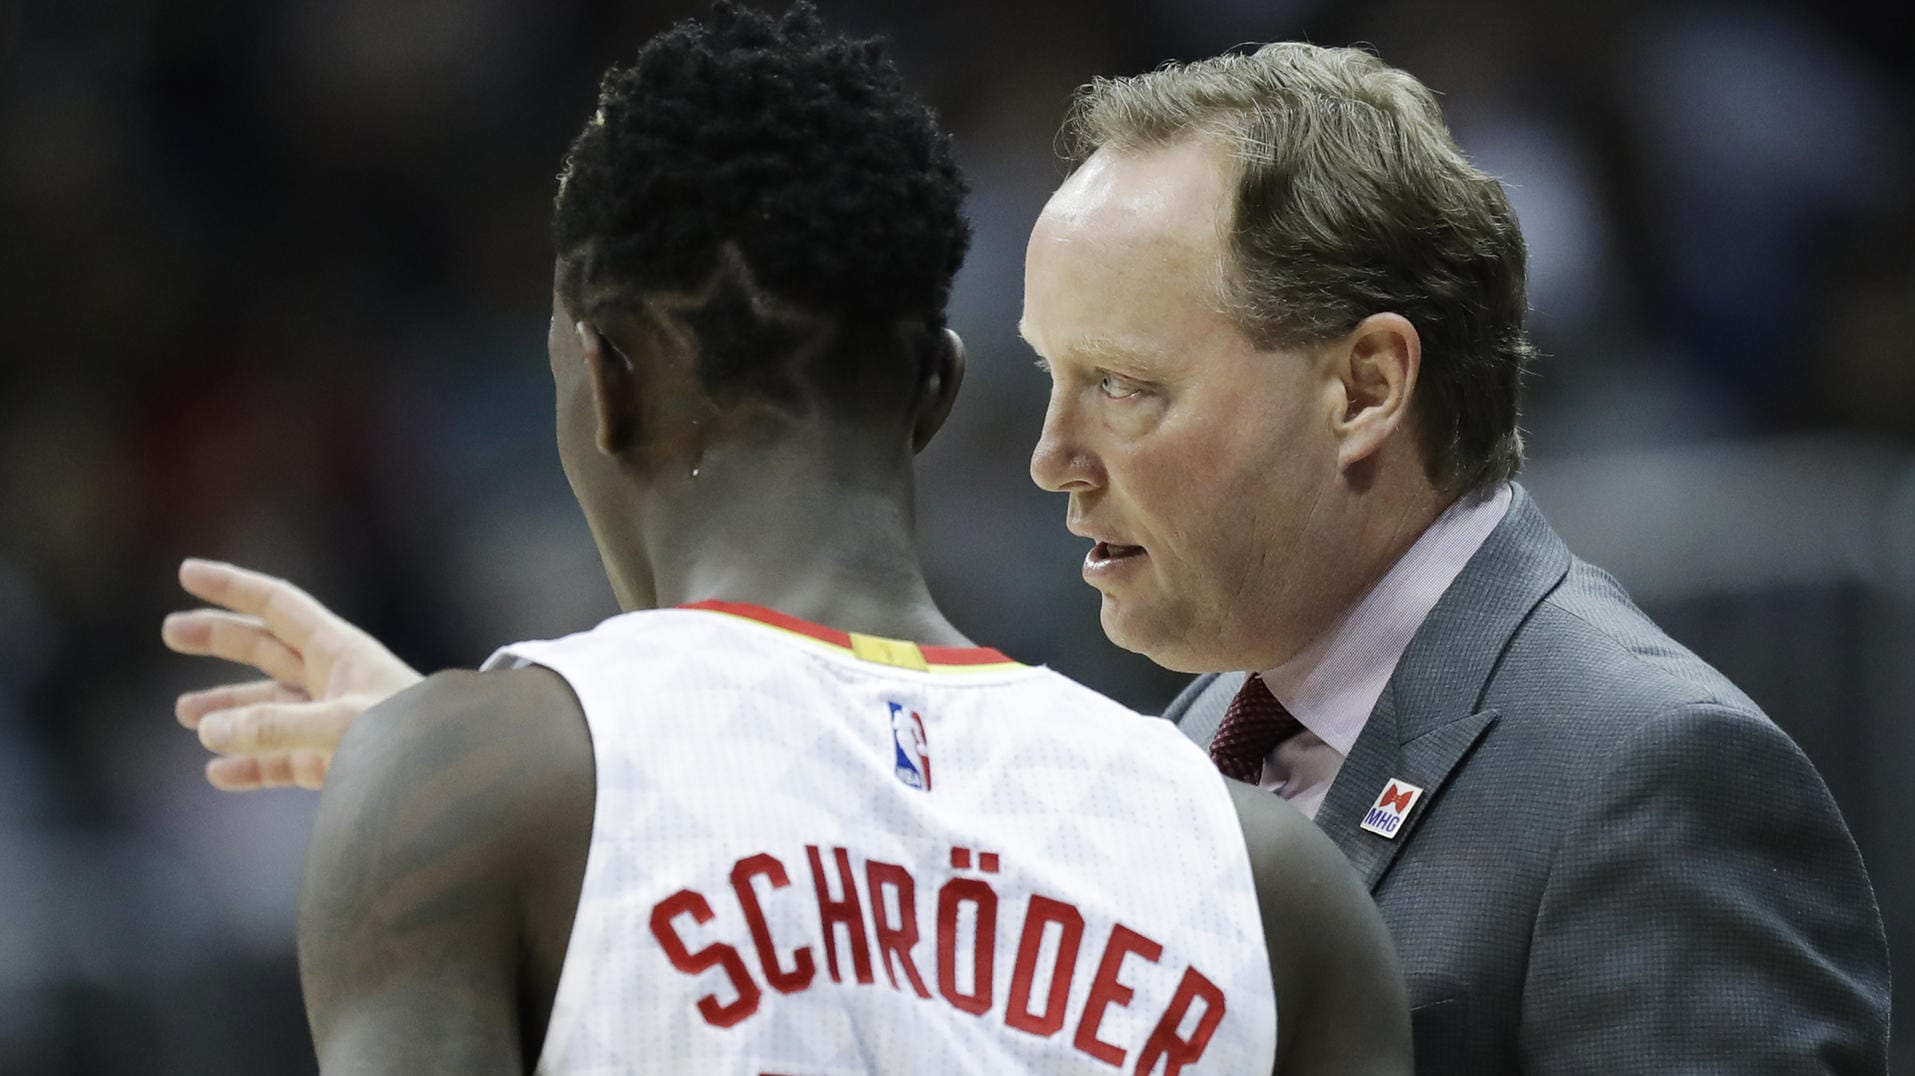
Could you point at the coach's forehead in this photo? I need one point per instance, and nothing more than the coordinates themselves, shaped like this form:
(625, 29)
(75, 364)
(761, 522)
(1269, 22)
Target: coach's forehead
(1129, 252)
(1172, 198)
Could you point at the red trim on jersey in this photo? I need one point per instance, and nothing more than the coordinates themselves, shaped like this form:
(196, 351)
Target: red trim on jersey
(778, 620)
(963, 655)
(933, 655)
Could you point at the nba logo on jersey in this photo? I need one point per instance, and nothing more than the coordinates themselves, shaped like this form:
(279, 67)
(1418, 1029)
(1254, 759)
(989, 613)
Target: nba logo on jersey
(914, 751)
(1387, 814)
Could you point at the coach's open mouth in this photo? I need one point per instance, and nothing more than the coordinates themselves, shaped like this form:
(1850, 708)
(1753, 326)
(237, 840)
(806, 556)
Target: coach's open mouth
(1114, 551)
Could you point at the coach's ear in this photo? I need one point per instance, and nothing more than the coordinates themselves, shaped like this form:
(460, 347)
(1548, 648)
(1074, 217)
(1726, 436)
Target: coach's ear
(938, 388)
(614, 387)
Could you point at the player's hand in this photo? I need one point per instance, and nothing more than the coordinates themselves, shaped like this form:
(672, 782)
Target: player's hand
(322, 673)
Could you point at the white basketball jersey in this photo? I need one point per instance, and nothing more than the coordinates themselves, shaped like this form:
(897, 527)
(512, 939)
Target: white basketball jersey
(818, 854)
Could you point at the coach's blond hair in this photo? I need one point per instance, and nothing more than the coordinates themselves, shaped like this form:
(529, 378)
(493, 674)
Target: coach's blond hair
(1352, 199)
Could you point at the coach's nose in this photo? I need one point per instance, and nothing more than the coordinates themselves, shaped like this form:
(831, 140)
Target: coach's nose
(1064, 461)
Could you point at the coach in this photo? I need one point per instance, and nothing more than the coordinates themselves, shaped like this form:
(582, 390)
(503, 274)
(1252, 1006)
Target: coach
(1284, 321)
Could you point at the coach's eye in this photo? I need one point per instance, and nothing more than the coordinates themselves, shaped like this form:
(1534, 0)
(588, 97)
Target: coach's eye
(1116, 387)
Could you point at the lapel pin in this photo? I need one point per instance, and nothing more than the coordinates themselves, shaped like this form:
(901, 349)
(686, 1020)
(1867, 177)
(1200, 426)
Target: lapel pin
(1391, 808)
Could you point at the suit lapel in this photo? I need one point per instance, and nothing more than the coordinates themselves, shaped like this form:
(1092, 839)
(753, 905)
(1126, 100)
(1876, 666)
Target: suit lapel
(1377, 760)
(1431, 714)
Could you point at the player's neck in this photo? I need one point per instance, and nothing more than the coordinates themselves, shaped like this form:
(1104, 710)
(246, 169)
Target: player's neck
(821, 535)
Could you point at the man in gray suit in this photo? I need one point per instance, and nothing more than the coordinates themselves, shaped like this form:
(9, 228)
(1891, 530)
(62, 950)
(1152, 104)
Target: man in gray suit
(1284, 321)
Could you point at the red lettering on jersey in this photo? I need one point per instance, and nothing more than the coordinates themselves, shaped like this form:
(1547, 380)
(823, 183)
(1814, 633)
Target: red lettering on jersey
(717, 954)
(1106, 990)
(894, 940)
(981, 896)
(847, 912)
(1164, 1043)
(1043, 912)
(764, 865)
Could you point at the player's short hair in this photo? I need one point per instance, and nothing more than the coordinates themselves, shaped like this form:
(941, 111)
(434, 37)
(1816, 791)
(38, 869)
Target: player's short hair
(791, 157)
(1352, 199)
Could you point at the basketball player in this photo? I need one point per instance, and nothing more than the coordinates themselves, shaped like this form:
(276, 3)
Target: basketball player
(782, 817)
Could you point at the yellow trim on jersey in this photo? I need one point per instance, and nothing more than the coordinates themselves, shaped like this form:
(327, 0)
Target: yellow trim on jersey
(896, 653)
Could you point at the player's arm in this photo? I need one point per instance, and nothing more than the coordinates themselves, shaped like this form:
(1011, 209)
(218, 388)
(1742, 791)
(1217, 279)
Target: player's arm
(321, 671)
(455, 815)
(1341, 1005)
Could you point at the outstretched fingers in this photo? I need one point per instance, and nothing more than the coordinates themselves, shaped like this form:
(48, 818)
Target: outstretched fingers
(234, 637)
(269, 728)
(288, 611)
(302, 769)
(233, 774)
(194, 705)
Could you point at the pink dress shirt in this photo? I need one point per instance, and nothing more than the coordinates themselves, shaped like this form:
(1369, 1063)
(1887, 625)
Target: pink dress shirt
(1331, 685)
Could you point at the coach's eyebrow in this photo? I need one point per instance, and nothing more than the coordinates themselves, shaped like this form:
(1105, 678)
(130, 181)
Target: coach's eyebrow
(1104, 349)
(1097, 348)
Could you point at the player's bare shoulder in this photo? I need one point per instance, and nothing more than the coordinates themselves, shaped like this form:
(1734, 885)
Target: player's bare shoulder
(518, 733)
(449, 846)
(1341, 1003)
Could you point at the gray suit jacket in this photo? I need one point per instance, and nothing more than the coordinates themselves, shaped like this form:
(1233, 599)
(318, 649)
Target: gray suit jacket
(1618, 864)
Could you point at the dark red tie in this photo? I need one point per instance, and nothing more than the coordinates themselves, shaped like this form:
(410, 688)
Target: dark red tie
(1253, 725)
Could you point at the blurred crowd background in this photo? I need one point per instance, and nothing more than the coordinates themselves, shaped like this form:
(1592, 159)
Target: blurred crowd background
(273, 288)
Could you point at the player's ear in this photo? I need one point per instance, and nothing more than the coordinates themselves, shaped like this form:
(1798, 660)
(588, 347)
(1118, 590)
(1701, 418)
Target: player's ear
(614, 389)
(938, 387)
